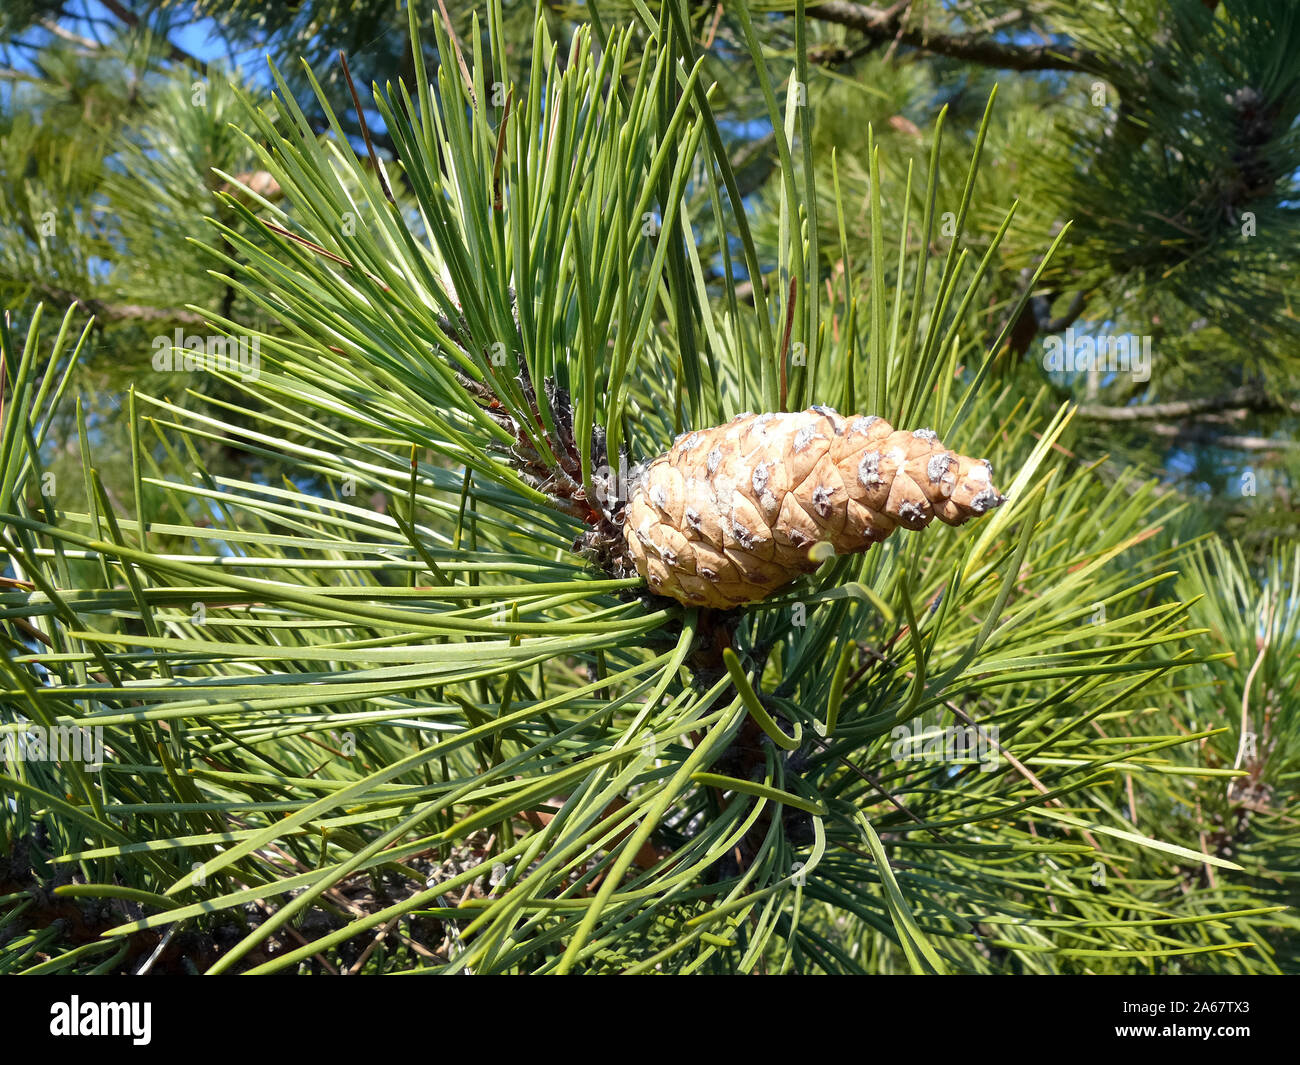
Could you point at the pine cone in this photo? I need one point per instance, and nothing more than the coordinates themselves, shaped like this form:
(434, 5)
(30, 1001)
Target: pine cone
(730, 514)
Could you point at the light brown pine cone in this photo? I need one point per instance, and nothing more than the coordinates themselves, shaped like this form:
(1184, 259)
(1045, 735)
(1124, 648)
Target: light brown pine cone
(730, 514)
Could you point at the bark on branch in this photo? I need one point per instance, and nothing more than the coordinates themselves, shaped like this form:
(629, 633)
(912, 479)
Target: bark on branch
(1200, 434)
(890, 25)
(120, 312)
(1245, 398)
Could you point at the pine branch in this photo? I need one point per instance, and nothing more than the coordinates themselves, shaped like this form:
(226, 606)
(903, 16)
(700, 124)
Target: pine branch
(174, 52)
(1246, 398)
(1037, 318)
(117, 312)
(888, 25)
(1047, 324)
(67, 35)
(1201, 434)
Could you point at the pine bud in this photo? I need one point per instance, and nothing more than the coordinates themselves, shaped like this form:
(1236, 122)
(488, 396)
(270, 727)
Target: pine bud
(730, 514)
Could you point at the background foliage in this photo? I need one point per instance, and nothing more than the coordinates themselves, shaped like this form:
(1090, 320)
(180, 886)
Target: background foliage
(368, 710)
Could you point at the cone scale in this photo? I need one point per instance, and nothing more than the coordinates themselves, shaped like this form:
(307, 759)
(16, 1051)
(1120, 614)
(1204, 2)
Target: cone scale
(730, 514)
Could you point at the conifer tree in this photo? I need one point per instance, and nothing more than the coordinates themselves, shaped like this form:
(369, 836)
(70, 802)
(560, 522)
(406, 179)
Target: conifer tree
(372, 630)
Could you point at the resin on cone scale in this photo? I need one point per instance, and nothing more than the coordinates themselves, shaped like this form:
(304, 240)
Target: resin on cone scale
(731, 514)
